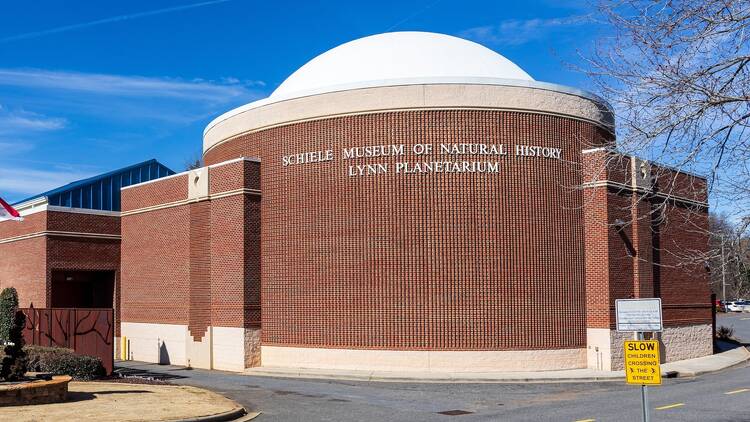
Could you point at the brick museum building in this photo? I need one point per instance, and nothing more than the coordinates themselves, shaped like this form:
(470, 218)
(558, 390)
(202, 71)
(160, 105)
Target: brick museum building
(403, 201)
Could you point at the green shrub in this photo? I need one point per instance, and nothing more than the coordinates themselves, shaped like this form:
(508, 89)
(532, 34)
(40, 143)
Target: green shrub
(12, 322)
(8, 306)
(61, 361)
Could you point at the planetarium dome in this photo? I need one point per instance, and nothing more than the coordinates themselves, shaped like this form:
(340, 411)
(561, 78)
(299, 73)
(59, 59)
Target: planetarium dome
(398, 58)
(386, 71)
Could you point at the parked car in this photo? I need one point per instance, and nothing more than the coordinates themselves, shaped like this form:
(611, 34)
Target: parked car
(721, 306)
(735, 306)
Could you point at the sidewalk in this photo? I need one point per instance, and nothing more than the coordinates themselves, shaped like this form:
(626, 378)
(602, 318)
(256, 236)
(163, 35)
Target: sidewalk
(706, 364)
(684, 368)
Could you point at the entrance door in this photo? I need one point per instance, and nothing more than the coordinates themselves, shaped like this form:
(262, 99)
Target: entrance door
(82, 289)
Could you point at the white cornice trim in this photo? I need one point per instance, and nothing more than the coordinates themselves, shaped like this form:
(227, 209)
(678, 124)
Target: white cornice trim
(396, 110)
(241, 191)
(652, 163)
(599, 149)
(61, 234)
(408, 97)
(401, 82)
(184, 173)
(628, 188)
(234, 160)
(83, 211)
(44, 206)
(160, 206)
(32, 206)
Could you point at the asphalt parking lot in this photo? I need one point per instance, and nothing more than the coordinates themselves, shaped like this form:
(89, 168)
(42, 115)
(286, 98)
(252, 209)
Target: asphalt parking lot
(721, 396)
(738, 321)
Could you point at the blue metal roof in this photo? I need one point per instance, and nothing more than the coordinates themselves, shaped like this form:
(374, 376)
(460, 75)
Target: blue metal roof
(102, 192)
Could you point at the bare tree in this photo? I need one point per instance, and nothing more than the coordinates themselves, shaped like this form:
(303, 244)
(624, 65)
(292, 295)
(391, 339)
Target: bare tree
(194, 162)
(730, 258)
(678, 76)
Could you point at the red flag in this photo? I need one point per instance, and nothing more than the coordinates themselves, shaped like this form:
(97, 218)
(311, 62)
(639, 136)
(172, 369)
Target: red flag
(8, 213)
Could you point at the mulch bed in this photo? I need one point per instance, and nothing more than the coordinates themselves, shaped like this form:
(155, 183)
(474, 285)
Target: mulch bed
(132, 380)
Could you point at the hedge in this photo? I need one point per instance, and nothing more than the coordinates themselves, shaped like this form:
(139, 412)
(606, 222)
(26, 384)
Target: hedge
(61, 361)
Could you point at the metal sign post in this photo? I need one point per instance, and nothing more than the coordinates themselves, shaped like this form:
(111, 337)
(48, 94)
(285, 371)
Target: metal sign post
(644, 391)
(642, 367)
(642, 357)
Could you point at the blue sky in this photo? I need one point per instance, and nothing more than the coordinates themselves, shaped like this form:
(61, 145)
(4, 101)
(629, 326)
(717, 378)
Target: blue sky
(87, 87)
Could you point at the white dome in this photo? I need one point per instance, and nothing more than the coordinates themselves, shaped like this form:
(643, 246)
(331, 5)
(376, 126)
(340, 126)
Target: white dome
(398, 58)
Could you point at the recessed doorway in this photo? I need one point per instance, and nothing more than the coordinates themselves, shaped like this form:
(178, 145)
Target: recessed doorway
(82, 289)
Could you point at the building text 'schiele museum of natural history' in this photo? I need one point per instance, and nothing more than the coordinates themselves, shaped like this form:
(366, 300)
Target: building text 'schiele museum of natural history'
(405, 201)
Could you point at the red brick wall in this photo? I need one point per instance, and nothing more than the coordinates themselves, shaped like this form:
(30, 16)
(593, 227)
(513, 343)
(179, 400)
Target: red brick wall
(671, 182)
(253, 262)
(653, 254)
(621, 258)
(433, 261)
(33, 223)
(23, 266)
(23, 263)
(82, 254)
(200, 268)
(681, 240)
(683, 236)
(235, 248)
(640, 235)
(596, 238)
(196, 264)
(161, 191)
(28, 264)
(82, 223)
(155, 264)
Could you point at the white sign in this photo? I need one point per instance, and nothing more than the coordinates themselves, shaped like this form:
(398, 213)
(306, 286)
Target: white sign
(638, 314)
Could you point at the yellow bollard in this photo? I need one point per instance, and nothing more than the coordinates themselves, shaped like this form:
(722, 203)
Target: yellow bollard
(123, 348)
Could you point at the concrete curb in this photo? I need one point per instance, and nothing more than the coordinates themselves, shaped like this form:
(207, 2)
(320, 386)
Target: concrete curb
(708, 364)
(231, 415)
(575, 375)
(430, 378)
(686, 368)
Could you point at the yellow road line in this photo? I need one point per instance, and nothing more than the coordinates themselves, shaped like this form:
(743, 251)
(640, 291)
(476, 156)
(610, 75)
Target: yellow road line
(741, 390)
(586, 420)
(670, 406)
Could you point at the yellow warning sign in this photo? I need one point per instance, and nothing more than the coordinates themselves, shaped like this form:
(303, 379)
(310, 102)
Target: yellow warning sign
(642, 362)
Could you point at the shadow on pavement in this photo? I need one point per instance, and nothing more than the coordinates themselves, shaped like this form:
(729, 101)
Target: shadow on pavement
(144, 374)
(724, 346)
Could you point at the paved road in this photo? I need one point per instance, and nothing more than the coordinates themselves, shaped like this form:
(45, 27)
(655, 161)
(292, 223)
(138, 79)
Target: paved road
(701, 399)
(723, 396)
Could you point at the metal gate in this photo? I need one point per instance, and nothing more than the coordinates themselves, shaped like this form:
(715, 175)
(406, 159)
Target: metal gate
(86, 331)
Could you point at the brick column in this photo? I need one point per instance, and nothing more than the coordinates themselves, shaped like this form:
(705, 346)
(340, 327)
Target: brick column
(200, 265)
(641, 235)
(596, 239)
(597, 233)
